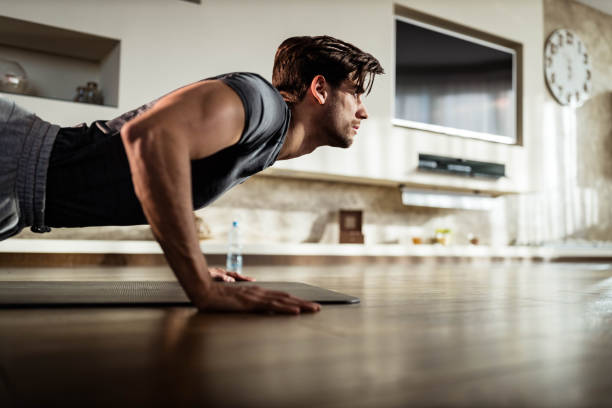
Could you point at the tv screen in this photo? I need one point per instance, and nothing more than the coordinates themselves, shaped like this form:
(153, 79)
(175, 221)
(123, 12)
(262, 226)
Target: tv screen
(452, 83)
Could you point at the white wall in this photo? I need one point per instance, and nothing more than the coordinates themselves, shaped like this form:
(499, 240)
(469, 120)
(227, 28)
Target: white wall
(167, 43)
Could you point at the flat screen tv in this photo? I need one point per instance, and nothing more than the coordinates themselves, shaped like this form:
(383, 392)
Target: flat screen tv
(452, 83)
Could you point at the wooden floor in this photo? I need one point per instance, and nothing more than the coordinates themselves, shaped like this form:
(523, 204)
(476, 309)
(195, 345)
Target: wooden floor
(465, 335)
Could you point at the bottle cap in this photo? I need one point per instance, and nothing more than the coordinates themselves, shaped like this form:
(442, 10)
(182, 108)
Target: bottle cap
(235, 224)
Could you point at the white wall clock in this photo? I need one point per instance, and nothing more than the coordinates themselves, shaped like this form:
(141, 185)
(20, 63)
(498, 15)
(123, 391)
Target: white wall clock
(567, 68)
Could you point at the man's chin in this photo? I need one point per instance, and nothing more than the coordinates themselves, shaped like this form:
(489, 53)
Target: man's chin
(348, 141)
(343, 143)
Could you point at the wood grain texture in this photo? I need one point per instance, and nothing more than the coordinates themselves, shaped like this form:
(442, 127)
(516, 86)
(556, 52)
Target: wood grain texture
(424, 335)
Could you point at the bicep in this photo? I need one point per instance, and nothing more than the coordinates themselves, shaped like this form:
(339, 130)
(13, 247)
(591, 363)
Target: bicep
(201, 118)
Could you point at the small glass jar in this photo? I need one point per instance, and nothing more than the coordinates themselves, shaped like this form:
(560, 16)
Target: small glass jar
(93, 94)
(80, 94)
(13, 77)
(443, 236)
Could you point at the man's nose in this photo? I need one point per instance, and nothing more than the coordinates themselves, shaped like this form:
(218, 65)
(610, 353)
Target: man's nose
(362, 112)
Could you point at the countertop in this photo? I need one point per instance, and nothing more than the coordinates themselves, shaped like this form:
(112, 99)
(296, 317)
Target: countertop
(152, 247)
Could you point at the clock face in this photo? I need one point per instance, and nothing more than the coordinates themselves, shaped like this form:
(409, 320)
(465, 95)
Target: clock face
(567, 68)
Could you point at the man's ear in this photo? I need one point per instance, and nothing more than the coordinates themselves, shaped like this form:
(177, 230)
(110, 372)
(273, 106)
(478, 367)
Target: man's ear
(318, 89)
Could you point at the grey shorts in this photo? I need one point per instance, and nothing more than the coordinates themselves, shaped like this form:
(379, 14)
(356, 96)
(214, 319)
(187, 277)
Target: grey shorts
(25, 147)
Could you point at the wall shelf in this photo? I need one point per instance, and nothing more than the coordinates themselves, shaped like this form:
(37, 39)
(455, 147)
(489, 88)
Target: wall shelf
(57, 60)
(416, 180)
(447, 199)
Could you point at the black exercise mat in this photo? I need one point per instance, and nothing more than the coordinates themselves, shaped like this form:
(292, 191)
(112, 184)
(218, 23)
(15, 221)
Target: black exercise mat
(67, 293)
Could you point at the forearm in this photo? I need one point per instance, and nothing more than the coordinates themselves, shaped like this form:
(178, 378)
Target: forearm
(162, 181)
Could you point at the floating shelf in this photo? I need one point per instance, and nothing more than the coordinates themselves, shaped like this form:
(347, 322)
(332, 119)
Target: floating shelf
(416, 180)
(447, 199)
(57, 60)
(459, 184)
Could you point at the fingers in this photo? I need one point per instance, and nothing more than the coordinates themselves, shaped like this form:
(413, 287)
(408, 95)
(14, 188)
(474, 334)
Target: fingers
(281, 307)
(220, 274)
(281, 302)
(239, 277)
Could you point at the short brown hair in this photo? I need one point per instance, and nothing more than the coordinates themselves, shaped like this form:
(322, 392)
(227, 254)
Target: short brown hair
(299, 59)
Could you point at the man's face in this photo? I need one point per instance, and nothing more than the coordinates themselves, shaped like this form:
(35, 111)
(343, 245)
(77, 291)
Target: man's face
(343, 115)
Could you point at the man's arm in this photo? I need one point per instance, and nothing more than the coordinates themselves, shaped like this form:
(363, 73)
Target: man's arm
(191, 123)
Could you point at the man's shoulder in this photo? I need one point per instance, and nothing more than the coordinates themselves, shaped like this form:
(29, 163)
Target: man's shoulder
(248, 82)
(256, 92)
(243, 76)
(266, 113)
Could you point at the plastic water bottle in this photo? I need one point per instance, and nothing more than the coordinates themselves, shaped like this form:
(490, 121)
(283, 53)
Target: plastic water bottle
(234, 250)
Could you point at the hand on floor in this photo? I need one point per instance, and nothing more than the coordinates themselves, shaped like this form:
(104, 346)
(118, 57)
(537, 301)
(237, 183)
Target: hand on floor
(229, 298)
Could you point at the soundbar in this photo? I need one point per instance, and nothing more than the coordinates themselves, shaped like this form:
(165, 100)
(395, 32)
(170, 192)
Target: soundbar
(460, 167)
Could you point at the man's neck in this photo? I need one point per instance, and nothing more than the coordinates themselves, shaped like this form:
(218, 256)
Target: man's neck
(300, 139)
